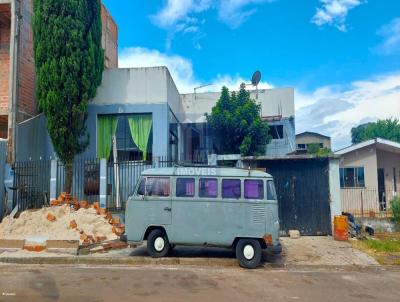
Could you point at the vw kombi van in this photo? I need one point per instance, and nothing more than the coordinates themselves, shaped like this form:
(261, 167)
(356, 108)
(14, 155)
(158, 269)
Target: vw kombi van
(205, 206)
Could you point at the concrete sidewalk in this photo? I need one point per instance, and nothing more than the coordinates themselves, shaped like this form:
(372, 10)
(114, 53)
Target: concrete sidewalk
(302, 252)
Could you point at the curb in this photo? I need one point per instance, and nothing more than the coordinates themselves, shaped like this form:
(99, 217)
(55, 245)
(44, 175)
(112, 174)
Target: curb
(205, 262)
(130, 261)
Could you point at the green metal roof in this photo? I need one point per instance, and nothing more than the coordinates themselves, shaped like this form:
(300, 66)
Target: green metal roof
(204, 171)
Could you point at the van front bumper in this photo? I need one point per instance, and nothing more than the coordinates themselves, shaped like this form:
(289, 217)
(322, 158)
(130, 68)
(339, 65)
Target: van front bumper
(275, 249)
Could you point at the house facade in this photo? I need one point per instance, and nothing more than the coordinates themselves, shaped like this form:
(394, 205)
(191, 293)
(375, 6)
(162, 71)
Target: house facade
(140, 113)
(304, 139)
(17, 67)
(369, 175)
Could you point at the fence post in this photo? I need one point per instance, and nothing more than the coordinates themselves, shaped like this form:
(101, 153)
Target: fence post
(362, 205)
(103, 183)
(53, 179)
(156, 161)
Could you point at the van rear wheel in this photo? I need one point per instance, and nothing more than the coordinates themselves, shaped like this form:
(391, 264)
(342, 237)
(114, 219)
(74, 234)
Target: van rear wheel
(158, 244)
(248, 252)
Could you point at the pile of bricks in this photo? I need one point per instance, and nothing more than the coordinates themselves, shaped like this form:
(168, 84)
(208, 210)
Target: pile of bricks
(66, 199)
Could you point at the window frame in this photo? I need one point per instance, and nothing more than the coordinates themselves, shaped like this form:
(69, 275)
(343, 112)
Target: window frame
(158, 196)
(185, 178)
(208, 178)
(357, 172)
(240, 186)
(268, 191)
(262, 191)
(138, 187)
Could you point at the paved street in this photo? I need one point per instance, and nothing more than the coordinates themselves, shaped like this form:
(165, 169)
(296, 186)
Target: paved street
(183, 283)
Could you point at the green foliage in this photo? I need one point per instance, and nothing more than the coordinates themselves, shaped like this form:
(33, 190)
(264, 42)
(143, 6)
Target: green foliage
(236, 124)
(387, 245)
(395, 207)
(315, 149)
(387, 129)
(69, 64)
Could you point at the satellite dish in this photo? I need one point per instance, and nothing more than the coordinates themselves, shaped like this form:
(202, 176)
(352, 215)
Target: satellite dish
(256, 78)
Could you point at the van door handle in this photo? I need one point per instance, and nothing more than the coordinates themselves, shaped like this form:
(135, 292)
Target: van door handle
(168, 209)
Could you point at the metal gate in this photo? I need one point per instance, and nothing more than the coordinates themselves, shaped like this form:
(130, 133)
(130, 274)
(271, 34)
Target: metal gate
(302, 187)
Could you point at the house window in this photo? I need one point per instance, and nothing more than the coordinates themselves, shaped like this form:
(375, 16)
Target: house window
(133, 136)
(301, 146)
(352, 177)
(276, 131)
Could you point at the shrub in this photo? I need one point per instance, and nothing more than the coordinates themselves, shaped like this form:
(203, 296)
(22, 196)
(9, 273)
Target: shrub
(395, 206)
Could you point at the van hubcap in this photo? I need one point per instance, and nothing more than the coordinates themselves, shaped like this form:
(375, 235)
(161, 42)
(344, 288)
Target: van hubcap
(248, 252)
(159, 244)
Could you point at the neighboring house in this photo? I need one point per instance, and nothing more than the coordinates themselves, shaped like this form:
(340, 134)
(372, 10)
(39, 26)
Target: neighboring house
(17, 68)
(303, 140)
(369, 175)
(172, 126)
(277, 108)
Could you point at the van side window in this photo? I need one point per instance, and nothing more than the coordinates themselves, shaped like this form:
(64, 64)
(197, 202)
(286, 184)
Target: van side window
(158, 186)
(185, 187)
(271, 193)
(253, 189)
(231, 188)
(208, 187)
(141, 188)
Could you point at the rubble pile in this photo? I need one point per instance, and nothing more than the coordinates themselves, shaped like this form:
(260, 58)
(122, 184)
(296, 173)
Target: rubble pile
(66, 219)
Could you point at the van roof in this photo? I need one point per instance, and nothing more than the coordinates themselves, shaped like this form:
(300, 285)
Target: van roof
(204, 171)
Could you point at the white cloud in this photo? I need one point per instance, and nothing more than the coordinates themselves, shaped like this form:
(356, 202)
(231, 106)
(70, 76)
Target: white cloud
(332, 110)
(181, 12)
(334, 12)
(391, 34)
(180, 68)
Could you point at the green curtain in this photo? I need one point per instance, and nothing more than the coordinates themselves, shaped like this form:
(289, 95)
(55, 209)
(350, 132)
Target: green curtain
(140, 126)
(106, 127)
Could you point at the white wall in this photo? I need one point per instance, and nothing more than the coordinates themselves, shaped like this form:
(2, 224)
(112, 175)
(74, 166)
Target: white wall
(133, 86)
(274, 102)
(334, 189)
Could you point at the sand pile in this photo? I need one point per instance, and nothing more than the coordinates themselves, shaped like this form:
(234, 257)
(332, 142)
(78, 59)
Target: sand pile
(36, 223)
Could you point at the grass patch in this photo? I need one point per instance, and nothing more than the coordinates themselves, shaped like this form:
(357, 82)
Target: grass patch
(384, 248)
(390, 246)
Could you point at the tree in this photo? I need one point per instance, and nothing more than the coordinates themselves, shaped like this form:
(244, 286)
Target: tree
(69, 63)
(387, 129)
(236, 124)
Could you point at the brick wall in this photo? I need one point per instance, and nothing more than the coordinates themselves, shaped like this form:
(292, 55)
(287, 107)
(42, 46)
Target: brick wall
(5, 28)
(26, 95)
(109, 38)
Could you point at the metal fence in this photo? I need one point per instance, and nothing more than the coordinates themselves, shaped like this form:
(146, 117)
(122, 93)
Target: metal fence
(367, 202)
(86, 179)
(31, 184)
(32, 180)
(128, 175)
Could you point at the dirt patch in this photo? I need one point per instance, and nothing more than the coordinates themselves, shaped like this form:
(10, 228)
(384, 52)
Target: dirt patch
(322, 251)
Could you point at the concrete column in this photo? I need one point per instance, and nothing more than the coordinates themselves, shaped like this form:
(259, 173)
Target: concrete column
(334, 189)
(103, 183)
(53, 180)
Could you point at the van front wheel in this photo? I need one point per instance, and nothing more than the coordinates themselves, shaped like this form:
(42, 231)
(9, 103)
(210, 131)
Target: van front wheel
(158, 244)
(248, 252)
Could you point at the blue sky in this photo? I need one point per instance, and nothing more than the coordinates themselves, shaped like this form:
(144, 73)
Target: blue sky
(341, 56)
